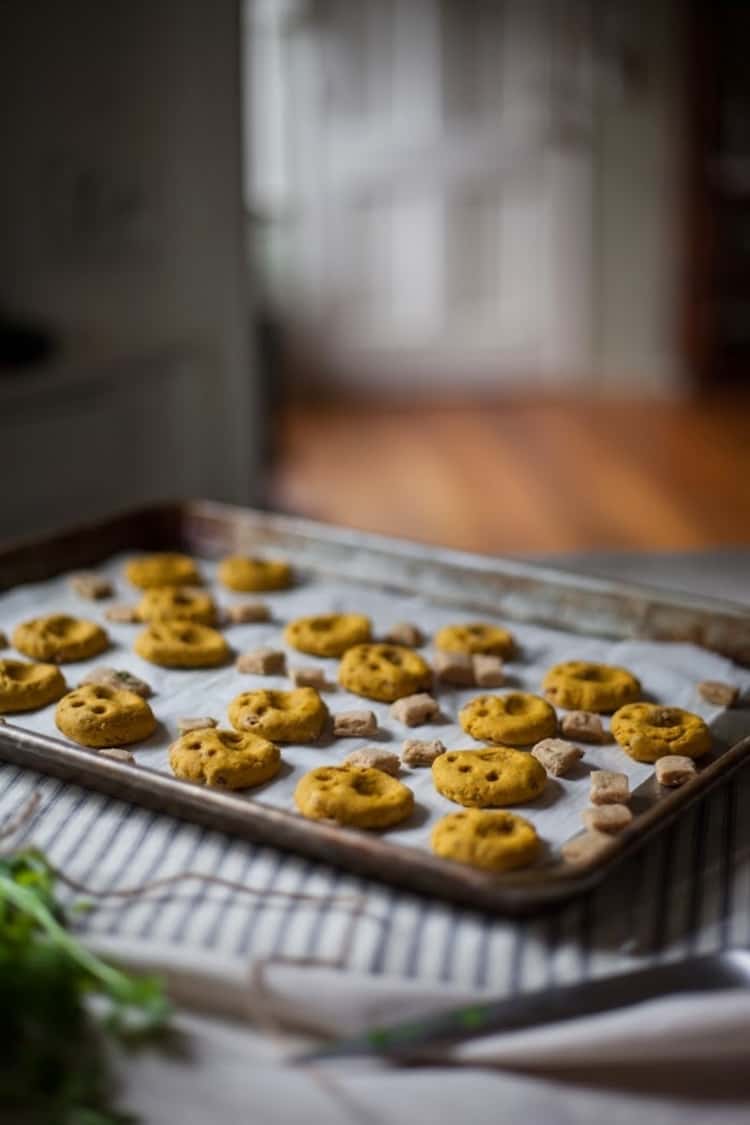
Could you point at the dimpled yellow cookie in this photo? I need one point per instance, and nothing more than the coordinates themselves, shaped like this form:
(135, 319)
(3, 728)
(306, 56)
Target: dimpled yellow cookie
(328, 634)
(168, 568)
(384, 672)
(494, 841)
(517, 718)
(247, 574)
(488, 778)
(176, 603)
(283, 716)
(25, 687)
(647, 732)
(94, 715)
(580, 685)
(182, 644)
(357, 796)
(224, 758)
(59, 638)
(477, 638)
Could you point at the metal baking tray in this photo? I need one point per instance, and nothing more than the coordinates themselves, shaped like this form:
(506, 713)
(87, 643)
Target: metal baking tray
(473, 583)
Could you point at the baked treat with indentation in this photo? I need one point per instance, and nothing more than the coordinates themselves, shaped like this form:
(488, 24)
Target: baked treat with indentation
(493, 841)
(354, 796)
(247, 574)
(95, 715)
(27, 687)
(60, 639)
(648, 731)
(515, 719)
(582, 685)
(224, 758)
(182, 644)
(283, 716)
(165, 568)
(328, 634)
(177, 603)
(488, 778)
(384, 672)
(475, 637)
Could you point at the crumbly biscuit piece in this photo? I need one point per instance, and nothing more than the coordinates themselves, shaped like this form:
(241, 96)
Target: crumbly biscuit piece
(718, 694)
(404, 633)
(557, 756)
(353, 796)
(117, 755)
(58, 638)
(373, 757)
(583, 726)
(166, 568)
(121, 614)
(27, 687)
(89, 584)
(609, 788)
(414, 710)
(118, 679)
(102, 717)
(283, 716)
(456, 668)
(224, 758)
(493, 841)
(328, 634)
(262, 662)
(607, 818)
(475, 637)
(354, 724)
(199, 722)
(383, 672)
(588, 686)
(419, 752)
(176, 603)
(516, 719)
(647, 732)
(674, 770)
(586, 847)
(309, 676)
(248, 613)
(488, 670)
(182, 644)
(488, 778)
(247, 574)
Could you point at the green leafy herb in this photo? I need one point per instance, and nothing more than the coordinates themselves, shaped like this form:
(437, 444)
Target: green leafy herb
(55, 1064)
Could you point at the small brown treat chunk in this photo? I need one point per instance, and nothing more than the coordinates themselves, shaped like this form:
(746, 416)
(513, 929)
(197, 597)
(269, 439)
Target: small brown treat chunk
(584, 726)
(374, 758)
(117, 755)
(586, 847)
(608, 788)
(89, 584)
(674, 769)
(309, 676)
(262, 662)
(607, 818)
(354, 724)
(718, 694)
(247, 613)
(488, 670)
(3, 640)
(413, 710)
(416, 752)
(557, 756)
(118, 679)
(454, 668)
(404, 633)
(200, 722)
(122, 614)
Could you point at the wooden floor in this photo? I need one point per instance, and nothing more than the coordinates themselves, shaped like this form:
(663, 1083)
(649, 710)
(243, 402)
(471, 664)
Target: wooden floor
(523, 475)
